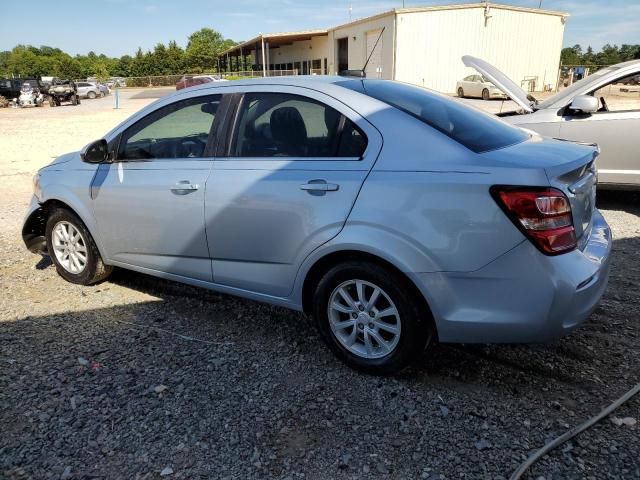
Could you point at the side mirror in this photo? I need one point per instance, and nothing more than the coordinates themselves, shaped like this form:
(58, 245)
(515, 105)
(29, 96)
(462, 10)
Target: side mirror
(585, 103)
(95, 152)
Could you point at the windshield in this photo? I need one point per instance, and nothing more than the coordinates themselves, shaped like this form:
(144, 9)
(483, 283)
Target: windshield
(26, 87)
(476, 130)
(579, 85)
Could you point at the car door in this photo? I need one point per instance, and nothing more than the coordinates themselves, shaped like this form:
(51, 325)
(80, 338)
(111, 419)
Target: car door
(283, 184)
(149, 203)
(614, 127)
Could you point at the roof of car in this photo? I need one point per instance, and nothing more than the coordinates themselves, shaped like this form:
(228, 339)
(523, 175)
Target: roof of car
(291, 80)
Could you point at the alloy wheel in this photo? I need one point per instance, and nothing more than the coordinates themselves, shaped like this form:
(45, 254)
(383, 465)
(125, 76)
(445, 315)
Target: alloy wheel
(69, 247)
(364, 319)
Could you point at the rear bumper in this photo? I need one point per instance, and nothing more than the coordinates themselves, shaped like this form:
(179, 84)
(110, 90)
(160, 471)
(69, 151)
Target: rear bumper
(523, 296)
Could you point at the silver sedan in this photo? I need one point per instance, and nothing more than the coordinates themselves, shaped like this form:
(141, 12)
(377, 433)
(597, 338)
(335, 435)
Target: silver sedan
(393, 215)
(603, 107)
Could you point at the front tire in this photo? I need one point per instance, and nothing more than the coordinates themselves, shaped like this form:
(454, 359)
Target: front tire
(460, 92)
(91, 95)
(485, 94)
(370, 318)
(72, 249)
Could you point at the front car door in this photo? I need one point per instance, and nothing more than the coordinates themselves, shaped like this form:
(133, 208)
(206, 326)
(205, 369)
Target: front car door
(614, 127)
(283, 184)
(149, 203)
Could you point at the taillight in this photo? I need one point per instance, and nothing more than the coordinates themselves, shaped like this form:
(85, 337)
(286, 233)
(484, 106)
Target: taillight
(542, 214)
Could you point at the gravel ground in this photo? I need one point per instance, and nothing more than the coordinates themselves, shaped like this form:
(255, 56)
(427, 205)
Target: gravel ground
(143, 378)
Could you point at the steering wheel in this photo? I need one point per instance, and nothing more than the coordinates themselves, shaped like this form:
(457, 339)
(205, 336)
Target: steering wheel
(189, 147)
(605, 107)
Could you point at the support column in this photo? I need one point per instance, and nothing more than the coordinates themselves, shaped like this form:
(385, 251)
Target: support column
(264, 65)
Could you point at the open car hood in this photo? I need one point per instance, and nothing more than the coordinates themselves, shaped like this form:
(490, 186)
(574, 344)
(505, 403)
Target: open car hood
(500, 80)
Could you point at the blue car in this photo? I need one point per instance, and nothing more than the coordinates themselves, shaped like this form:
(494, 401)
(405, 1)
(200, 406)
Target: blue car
(393, 215)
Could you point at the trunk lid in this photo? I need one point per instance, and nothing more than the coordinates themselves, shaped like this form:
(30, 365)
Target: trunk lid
(500, 80)
(578, 179)
(568, 166)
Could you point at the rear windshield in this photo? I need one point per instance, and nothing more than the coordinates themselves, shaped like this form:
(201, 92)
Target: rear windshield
(476, 130)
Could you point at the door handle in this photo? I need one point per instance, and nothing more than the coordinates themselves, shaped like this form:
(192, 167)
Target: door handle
(183, 187)
(319, 187)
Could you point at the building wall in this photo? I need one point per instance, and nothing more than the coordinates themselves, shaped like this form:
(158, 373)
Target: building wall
(430, 45)
(314, 49)
(356, 33)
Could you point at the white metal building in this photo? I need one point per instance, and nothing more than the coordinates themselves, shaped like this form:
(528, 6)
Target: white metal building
(421, 45)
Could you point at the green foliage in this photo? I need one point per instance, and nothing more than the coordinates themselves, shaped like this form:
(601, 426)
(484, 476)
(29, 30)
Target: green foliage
(609, 55)
(203, 49)
(199, 56)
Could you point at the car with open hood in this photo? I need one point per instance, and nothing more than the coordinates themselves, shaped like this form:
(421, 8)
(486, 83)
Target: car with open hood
(602, 108)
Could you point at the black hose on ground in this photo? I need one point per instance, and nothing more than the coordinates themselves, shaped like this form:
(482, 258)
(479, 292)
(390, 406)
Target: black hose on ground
(573, 432)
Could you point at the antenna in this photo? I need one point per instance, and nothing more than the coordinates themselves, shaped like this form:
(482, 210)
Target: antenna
(372, 50)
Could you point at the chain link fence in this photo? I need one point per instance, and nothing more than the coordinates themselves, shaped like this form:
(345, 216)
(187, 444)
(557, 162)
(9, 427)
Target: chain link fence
(171, 80)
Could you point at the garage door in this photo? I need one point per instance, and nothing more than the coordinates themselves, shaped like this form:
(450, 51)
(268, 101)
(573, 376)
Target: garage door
(374, 67)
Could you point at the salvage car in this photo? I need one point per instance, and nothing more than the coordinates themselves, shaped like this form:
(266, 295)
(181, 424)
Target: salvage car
(478, 86)
(393, 215)
(88, 90)
(599, 108)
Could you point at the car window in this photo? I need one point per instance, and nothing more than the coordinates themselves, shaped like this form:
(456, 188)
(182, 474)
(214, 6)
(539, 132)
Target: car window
(178, 130)
(468, 79)
(476, 130)
(621, 95)
(284, 125)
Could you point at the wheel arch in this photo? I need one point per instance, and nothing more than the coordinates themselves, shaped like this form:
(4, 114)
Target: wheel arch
(323, 264)
(34, 227)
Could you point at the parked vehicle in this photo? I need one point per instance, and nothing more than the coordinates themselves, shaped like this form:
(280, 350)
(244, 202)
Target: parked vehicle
(63, 91)
(30, 96)
(478, 86)
(104, 89)
(88, 90)
(392, 214)
(594, 109)
(191, 81)
(11, 88)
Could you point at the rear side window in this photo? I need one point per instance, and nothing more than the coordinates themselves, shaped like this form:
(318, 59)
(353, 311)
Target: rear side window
(286, 125)
(478, 131)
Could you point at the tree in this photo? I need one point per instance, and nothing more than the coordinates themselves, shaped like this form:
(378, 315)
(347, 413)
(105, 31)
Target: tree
(571, 55)
(203, 49)
(175, 58)
(69, 68)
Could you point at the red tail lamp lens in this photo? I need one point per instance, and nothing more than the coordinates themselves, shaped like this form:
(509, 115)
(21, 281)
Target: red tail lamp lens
(542, 214)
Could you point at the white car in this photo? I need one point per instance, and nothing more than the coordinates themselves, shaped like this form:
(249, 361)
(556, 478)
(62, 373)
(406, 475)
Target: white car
(88, 90)
(478, 86)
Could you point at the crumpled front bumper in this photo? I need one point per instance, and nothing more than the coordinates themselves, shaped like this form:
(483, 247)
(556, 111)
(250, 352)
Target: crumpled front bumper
(34, 226)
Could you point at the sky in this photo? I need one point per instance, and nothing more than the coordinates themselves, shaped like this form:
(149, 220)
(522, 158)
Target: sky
(118, 27)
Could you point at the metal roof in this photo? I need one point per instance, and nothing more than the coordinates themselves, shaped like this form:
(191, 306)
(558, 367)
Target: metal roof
(286, 38)
(278, 39)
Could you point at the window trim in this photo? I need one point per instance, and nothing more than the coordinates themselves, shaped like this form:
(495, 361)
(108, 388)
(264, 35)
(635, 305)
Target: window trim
(209, 150)
(230, 132)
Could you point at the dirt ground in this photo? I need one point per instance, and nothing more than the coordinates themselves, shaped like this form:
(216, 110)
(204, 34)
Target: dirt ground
(142, 378)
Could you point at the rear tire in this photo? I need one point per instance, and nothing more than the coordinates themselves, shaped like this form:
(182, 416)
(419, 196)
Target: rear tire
(91, 95)
(485, 94)
(460, 92)
(72, 249)
(379, 334)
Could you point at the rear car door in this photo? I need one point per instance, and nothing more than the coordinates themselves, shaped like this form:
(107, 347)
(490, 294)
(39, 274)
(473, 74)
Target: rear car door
(614, 128)
(283, 184)
(149, 203)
